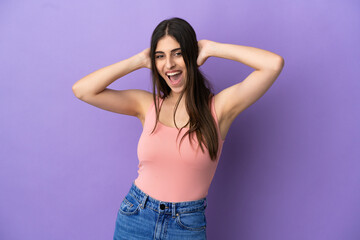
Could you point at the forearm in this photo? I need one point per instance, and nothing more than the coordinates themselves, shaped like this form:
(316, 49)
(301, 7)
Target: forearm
(256, 58)
(97, 81)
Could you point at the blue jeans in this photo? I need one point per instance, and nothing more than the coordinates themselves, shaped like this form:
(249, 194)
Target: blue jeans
(143, 217)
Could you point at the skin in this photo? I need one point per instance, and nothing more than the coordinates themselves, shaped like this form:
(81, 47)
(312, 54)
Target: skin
(229, 103)
(167, 60)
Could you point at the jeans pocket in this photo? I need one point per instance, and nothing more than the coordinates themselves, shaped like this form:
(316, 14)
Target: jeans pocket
(193, 221)
(130, 205)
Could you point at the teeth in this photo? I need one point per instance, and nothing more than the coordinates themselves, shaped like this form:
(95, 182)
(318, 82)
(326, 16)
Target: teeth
(172, 74)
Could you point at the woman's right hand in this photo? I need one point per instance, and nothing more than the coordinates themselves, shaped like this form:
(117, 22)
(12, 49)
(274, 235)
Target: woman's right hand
(145, 58)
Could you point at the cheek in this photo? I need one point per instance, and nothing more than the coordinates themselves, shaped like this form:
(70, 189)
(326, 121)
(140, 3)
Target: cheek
(158, 68)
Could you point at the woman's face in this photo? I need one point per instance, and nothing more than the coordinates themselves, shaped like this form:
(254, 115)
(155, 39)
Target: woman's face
(170, 63)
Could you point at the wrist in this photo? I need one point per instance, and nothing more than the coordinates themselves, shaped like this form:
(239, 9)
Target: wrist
(138, 61)
(213, 48)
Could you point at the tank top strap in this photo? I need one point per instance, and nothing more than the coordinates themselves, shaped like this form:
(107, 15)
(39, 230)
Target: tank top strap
(152, 105)
(148, 112)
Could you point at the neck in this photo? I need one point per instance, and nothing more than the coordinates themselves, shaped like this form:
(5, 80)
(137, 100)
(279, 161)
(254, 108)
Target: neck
(174, 97)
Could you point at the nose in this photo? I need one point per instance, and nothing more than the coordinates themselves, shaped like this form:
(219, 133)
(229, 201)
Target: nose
(170, 63)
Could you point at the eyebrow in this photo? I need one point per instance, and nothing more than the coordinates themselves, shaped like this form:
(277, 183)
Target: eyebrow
(171, 50)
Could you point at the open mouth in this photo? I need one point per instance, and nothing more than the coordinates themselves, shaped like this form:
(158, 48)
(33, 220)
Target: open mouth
(175, 78)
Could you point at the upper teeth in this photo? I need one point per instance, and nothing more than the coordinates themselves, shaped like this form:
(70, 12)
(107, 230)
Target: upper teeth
(172, 74)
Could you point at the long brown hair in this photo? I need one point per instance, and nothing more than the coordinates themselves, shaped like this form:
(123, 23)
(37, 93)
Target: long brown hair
(197, 89)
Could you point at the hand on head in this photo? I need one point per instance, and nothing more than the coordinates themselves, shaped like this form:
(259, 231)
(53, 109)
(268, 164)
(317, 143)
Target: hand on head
(203, 51)
(145, 58)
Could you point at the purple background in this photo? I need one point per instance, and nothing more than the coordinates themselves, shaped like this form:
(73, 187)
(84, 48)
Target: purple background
(290, 164)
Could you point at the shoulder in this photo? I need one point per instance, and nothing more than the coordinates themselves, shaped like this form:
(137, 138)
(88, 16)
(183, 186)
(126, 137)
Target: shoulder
(146, 100)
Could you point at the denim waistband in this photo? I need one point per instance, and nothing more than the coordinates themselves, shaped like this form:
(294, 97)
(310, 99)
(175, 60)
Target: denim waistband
(166, 207)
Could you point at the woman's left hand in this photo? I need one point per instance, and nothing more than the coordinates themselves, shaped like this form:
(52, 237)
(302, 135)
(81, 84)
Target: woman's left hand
(204, 53)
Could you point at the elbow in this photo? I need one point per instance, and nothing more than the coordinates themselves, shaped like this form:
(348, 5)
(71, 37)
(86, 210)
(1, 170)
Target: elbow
(274, 64)
(76, 91)
(278, 63)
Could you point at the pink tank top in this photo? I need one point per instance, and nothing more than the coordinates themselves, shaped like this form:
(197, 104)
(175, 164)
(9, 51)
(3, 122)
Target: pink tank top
(168, 174)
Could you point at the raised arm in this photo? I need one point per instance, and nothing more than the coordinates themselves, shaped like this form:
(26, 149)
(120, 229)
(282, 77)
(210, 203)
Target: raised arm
(231, 101)
(93, 87)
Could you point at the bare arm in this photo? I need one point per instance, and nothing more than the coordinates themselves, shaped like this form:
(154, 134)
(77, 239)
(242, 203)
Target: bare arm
(93, 87)
(97, 81)
(235, 99)
(256, 58)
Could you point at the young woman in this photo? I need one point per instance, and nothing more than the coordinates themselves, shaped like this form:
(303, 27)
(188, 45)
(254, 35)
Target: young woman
(184, 126)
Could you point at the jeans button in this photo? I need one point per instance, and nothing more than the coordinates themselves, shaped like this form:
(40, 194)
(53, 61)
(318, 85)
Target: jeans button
(162, 206)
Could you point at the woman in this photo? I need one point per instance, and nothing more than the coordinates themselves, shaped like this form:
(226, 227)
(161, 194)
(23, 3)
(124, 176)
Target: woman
(184, 126)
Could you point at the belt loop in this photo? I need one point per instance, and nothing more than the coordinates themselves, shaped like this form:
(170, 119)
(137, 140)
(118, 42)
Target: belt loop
(143, 201)
(173, 210)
